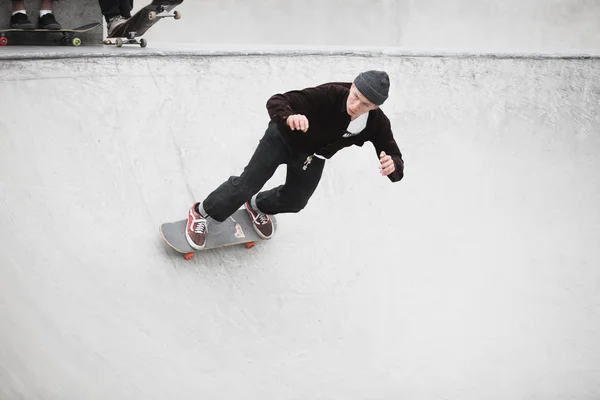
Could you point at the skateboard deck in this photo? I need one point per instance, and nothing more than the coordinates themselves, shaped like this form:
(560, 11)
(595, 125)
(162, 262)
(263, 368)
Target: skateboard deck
(141, 21)
(237, 229)
(69, 36)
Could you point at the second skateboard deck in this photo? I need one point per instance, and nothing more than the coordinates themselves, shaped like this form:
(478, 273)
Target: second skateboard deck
(69, 35)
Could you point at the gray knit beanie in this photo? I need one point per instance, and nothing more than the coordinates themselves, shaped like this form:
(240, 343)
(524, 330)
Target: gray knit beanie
(374, 85)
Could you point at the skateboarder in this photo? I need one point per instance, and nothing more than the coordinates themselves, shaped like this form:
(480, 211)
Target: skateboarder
(306, 127)
(20, 20)
(115, 12)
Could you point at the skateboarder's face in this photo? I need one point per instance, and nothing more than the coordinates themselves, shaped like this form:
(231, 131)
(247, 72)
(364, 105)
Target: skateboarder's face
(358, 104)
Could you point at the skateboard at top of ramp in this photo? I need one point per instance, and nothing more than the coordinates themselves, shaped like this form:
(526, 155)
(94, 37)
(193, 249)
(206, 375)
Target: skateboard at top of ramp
(141, 21)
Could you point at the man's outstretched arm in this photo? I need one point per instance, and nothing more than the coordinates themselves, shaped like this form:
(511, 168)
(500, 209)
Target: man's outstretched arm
(391, 163)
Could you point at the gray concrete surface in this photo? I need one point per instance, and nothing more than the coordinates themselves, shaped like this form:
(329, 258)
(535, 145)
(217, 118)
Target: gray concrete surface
(475, 277)
(69, 13)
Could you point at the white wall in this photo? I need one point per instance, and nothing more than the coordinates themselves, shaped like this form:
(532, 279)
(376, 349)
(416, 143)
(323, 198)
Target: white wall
(450, 26)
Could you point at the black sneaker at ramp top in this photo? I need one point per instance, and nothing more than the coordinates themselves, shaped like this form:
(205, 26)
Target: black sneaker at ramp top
(69, 36)
(141, 21)
(237, 229)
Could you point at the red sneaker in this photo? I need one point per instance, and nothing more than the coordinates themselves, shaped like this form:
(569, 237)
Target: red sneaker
(197, 228)
(262, 223)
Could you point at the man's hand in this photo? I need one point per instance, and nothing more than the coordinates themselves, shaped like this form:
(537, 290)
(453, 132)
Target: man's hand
(297, 121)
(386, 164)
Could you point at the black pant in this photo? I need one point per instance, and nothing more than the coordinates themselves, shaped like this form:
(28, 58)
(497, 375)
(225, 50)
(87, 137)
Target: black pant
(112, 8)
(291, 197)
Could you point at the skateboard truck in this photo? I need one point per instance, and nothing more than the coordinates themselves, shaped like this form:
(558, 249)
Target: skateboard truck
(130, 39)
(153, 15)
(70, 39)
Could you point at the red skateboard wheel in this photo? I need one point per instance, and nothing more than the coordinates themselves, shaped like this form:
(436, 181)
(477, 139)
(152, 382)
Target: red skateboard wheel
(3, 41)
(189, 256)
(250, 245)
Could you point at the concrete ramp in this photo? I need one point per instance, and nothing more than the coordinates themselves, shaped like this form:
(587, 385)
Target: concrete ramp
(474, 277)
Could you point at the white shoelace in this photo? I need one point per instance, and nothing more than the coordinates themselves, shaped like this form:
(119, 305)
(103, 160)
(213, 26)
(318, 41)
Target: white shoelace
(262, 219)
(258, 217)
(199, 226)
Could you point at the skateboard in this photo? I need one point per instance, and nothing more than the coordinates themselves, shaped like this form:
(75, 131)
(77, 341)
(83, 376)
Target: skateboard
(141, 21)
(69, 36)
(237, 229)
